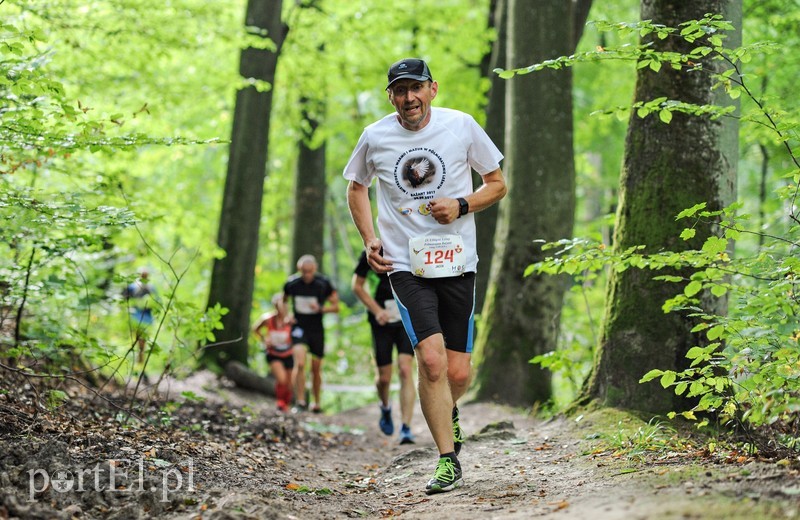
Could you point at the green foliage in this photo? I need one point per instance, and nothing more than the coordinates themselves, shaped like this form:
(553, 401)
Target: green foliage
(55, 398)
(747, 373)
(652, 438)
(64, 210)
(114, 118)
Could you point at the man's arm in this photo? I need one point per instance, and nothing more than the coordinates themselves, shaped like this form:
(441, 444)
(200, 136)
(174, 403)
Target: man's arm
(332, 303)
(357, 284)
(361, 213)
(445, 210)
(283, 305)
(261, 323)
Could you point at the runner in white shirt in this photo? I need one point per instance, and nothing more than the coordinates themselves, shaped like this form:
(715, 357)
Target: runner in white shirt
(422, 159)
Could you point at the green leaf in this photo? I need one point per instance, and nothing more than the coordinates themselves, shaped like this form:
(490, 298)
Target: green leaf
(651, 375)
(668, 378)
(504, 74)
(715, 332)
(719, 290)
(690, 212)
(692, 288)
(665, 116)
(688, 233)
(715, 245)
(695, 352)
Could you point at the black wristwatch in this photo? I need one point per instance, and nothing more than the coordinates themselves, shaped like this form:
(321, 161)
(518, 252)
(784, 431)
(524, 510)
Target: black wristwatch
(463, 207)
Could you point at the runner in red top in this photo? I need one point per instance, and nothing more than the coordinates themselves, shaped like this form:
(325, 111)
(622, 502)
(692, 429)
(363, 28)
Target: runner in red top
(275, 333)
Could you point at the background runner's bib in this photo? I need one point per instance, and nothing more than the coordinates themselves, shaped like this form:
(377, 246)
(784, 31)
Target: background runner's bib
(306, 304)
(393, 310)
(437, 256)
(280, 339)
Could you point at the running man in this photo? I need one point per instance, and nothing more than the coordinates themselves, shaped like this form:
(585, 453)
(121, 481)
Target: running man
(312, 295)
(422, 157)
(387, 333)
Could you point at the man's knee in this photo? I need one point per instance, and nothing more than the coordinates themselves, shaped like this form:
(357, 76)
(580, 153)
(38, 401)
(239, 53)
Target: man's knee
(384, 376)
(458, 375)
(404, 371)
(432, 359)
(459, 368)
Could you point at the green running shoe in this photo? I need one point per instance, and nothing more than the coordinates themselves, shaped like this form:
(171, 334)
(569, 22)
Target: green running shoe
(458, 433)
(446, 478)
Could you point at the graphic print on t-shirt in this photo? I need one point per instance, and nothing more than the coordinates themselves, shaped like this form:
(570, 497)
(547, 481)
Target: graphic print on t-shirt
(419, 173)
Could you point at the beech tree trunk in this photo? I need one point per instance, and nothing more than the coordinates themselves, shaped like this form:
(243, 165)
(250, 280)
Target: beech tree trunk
(232, 278)
(667, 168)
(486, 220)
(522, 313)
(310, 189)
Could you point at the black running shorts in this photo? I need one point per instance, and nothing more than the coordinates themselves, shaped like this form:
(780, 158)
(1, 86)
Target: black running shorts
(384, 338)
(432, 305)
(313, 339)
(287, 361)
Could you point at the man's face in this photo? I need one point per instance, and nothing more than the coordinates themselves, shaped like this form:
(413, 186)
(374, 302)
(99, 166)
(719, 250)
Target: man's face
(307, 270)
(412, 101)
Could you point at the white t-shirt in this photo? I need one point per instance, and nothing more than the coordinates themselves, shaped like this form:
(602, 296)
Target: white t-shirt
(413, 167)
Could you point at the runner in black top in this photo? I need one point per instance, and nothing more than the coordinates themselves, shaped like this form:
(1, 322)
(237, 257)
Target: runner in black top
(387, 332)
(312, 295)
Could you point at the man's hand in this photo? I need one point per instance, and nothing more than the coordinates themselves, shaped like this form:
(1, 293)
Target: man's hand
(374, 258)
(382, 317)
(444, 210)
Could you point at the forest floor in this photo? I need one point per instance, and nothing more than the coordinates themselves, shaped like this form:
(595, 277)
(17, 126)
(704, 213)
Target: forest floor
(232, 455)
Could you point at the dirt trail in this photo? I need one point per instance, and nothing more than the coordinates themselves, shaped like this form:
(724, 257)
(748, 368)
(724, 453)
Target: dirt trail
(234, 456)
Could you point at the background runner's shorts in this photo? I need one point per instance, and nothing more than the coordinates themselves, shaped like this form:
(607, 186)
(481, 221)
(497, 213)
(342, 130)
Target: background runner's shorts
(287, 361)
(384, 338)
(432, 305)
(314, 339)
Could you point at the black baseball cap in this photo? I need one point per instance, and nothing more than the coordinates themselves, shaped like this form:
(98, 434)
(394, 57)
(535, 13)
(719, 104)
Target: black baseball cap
(409, 68)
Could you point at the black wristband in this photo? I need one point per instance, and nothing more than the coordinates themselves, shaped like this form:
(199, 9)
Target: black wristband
(463, 206)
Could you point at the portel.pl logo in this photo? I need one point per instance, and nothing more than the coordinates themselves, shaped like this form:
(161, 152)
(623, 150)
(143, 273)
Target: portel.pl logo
(112, 477)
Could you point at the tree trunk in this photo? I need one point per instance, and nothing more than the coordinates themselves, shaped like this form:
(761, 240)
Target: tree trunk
(486, 220)
(245, 378)
(309, 198)
(232, 277)
(522, 313)
(667, 168)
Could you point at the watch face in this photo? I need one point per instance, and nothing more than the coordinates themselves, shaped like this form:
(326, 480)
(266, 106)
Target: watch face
(464, 206)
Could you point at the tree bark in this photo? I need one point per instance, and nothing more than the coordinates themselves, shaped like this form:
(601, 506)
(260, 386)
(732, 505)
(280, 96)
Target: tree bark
(667, 168)
(522, 313)
(486, 220)
(245, 378)
(310, 188)
(232, 278)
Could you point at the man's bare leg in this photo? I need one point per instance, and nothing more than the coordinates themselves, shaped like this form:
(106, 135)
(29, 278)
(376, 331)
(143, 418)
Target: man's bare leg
(316, 381)
(299, 374)
(434, 391)
(383, 381)
(459, 373)
(408, 394)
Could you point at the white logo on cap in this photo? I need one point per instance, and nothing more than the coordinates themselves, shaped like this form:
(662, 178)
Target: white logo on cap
(403, 66)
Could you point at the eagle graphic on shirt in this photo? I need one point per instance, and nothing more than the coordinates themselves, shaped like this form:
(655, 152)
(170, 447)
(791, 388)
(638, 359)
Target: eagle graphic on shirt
(418, 171)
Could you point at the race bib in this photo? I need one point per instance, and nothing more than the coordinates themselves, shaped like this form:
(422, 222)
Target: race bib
(280, 339)
(306, 305)
(393, 310)
(437, 256)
